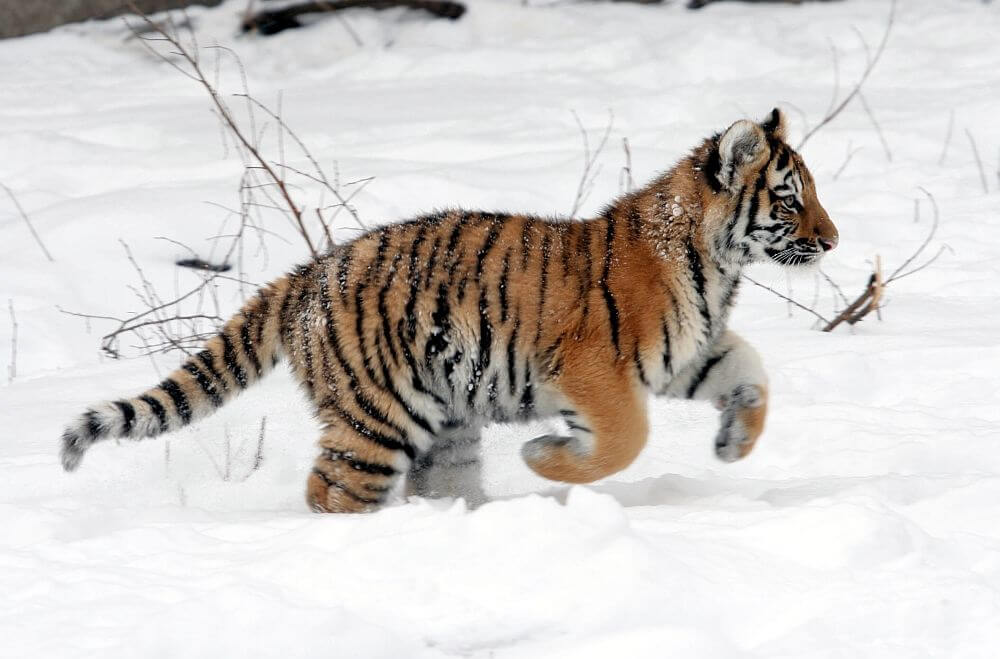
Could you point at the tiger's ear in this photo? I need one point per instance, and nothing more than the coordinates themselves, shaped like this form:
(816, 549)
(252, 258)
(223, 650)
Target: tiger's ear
(742, 149)
(775, 124)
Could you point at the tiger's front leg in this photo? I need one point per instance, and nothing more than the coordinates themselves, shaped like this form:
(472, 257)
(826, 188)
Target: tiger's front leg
(731, 376)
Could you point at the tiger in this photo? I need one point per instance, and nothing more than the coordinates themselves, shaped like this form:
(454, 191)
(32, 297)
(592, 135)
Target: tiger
(412, 337)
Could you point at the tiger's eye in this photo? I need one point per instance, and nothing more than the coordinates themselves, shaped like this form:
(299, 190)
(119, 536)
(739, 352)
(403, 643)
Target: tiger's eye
(788, 202)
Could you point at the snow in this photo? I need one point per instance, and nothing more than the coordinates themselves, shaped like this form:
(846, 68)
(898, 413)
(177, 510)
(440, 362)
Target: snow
(864, 524)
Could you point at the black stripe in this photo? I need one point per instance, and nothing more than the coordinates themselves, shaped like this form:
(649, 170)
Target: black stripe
(567, 412)
(262, 313)
(429, 270)
(491, 239)
(338, 486)
(703, 373)
(502, 288)
(334, 455)
(588, 266)
(727, 297)
(365, 404)
(343, 270)
(527, 403)
(783, 158)
(303, 315)
(449, 251)
(248, 347)
(411, 301)
(730, 233)
(437, 339)
(666, 347)
(94, 428)
(511, 365)
(206, 384)
(411, 363)
(423, 423)
(158, 410)
(285, 318)
(698, 278)
(232, 364)
(546, 253)
(179, 399)
(485, 344)
(713, 163)
(634, 222)
(609, 299)
(638, 366)
(361, 316)
(382, 440)
(128, 416)
(525, 243)
(383, 312)
(577, 426)
(208, 361)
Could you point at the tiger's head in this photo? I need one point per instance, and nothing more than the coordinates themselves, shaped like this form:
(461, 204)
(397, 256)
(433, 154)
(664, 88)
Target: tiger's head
(767, 197)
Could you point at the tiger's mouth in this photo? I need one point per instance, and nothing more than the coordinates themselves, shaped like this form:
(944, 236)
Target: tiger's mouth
(795, 256)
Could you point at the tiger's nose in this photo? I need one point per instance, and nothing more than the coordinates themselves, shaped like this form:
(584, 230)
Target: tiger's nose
(827, 243)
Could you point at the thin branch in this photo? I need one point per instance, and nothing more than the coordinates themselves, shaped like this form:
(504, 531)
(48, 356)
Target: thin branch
(589, 174)
(24, 216)
(930, 235)
(947, 137)
(787, 299)
(625, 177)
(979, 161)
(12, 367)
(834, 286)
(872, 61)
(224, 113)
(850, 154)
(878, 128)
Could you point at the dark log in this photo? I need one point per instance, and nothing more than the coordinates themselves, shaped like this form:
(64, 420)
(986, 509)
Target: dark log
(272, 21)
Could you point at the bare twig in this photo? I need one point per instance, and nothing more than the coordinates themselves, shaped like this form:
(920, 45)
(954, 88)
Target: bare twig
(258, 456)
(24, 216)
(872, 61)
(787, 299)
(625, 177)
(947, 137)
(250, 147)
(871, 298)
(901, 271)
(878, 128)
(850, 154)
(979, 161)
(589, 174)
(834, 286)
(12, 367)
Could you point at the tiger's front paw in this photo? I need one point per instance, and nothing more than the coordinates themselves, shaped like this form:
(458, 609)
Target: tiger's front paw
(743, 413)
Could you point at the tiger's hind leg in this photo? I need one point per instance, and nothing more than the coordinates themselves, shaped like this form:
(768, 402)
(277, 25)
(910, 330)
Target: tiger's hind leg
(353, 474)
(605, 409)
(452, 467)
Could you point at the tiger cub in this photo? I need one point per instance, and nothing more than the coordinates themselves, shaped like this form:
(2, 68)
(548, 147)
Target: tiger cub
(412, 337)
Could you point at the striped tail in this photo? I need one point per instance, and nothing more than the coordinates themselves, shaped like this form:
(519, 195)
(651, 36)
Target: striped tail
(246, 349)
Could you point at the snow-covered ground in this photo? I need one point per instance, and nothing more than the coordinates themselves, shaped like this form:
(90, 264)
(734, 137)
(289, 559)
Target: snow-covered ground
(866, 523)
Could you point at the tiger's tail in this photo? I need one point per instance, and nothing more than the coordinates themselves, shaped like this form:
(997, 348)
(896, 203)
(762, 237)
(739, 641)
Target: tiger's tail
(246, 348)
